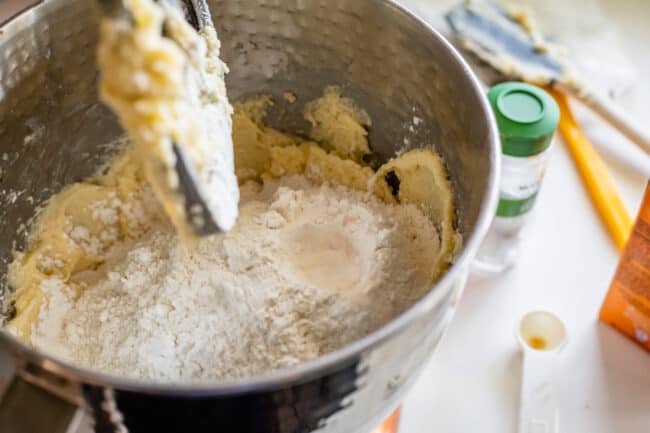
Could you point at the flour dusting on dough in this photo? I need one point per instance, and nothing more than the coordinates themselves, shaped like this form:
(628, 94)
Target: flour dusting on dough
(107, 283)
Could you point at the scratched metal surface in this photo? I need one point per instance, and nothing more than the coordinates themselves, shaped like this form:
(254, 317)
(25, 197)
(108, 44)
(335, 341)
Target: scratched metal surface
(53, 130)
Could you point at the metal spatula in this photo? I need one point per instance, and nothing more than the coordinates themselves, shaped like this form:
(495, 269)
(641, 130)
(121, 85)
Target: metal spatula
(513, 47)
(200, 211)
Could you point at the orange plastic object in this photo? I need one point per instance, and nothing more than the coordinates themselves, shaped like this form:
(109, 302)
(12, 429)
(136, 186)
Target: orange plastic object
(627, 305)
(595, 174)
(391, 425)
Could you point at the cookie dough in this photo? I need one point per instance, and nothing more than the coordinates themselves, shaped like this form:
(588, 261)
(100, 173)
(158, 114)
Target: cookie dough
(83, 224)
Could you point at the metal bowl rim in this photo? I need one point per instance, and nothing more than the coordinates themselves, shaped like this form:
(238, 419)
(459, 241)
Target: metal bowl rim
(329, 362)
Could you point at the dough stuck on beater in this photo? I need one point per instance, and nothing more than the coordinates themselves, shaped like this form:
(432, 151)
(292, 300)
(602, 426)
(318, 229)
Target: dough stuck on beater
(165, 82)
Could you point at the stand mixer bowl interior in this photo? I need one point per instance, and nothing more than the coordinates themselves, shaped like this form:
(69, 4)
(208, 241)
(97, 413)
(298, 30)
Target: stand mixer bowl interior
(54, 131)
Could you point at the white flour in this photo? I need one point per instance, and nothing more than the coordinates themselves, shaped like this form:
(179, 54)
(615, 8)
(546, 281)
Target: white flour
(306, 270)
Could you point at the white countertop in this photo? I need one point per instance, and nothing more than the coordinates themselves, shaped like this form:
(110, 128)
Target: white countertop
(568, 260)
(472, 382)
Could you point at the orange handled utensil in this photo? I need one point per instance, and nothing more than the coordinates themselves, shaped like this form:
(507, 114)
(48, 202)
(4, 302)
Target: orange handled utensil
(391, 424)
(594, 173)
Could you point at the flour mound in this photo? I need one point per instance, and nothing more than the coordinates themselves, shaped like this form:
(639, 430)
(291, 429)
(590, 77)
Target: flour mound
(306, 270)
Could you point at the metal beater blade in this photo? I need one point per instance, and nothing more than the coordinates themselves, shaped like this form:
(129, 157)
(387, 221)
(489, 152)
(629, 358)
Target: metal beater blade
(199, 210)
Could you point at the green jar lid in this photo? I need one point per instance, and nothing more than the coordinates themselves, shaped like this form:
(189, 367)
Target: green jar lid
(527, 117)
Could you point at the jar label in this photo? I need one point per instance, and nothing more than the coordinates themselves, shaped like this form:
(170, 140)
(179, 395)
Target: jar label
(512, 208)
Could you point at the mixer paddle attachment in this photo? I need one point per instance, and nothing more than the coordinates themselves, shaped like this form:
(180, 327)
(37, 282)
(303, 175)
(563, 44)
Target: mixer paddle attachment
(207, 209)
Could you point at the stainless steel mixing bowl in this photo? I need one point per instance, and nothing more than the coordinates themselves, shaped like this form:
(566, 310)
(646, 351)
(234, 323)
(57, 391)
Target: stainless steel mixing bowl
(52, 131)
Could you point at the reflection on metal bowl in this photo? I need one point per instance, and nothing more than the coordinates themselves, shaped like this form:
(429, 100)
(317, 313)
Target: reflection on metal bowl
(53, 128)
